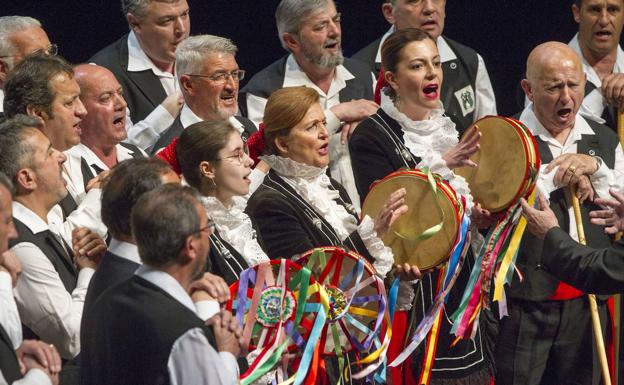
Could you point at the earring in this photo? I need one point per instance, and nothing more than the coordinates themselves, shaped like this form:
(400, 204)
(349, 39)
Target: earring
(214, 184)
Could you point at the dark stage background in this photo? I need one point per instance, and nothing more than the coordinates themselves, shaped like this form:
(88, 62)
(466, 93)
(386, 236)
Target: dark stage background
(502, 31)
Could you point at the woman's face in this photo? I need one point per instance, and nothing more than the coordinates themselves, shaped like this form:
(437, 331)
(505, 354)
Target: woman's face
(232, 169)
(418, 78)
(308, 140)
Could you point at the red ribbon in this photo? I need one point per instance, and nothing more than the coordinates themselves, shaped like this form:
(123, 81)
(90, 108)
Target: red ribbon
(256, 144)
(169, 155)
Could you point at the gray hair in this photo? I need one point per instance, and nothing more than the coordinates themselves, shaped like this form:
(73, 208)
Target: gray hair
(291, 13)
(162, 220)
(191, 52)
(15, 152)
(7, 184)
(139, 7)
(8, 26)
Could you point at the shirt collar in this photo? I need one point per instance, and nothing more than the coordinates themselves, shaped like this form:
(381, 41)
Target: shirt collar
(446, 53)
(1, 100)
(592, 76)
(81, 150)
(188, 117)
(138, 59)
(167, 283)
(29, 218)
(295, 77)
(530, 120)
(125, 250)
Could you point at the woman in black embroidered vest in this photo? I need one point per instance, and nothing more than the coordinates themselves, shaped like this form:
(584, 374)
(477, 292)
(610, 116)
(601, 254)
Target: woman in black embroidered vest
(298, 207)
(214, 160)
(410, 130)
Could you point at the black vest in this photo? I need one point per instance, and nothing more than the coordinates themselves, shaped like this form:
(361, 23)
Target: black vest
(224, 260)
(609, 114)
(538, 284)
(9, 367)
(271, 78)
(130, 332)
(87, 173)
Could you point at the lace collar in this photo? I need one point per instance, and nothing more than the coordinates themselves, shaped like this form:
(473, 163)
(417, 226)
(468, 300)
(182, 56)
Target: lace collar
(437, 124)
(235, 227)
(292, 169)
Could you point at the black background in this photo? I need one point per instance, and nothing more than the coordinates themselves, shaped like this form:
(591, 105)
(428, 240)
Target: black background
(502, 31)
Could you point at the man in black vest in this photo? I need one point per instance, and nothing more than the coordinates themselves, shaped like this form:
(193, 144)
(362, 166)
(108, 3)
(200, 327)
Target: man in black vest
(172, 232)
(143, 61)
(310, 31)
(40, 360)
(103, 128)
(597, 43)
(467, 92)
(50, 293)
(547, 336)
(44, 86)
(209, 78)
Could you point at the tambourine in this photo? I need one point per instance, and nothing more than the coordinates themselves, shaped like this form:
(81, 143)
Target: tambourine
(427, 209)
(507, 163)
(357, 300)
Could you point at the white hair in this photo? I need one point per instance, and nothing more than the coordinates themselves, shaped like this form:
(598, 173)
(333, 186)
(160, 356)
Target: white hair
(10, 25)
(191, 53)
(291, 13)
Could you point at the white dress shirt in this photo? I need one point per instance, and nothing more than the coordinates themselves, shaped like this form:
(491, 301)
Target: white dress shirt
(145, 133)
(485, 101)
(594, 104)
(192, 359)
(602, 180)
(43, 303)
(33, 377)
(339, 159)
(1, 100)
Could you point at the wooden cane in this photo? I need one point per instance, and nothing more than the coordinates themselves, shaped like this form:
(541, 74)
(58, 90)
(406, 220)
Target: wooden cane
(593, 306)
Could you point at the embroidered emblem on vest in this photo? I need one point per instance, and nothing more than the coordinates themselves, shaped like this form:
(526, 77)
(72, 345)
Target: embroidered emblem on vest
(466, 99)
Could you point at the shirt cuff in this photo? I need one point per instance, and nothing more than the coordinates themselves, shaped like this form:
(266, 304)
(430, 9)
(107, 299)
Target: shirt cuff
(206, 309)
(160, 119)
(35, 376)
(375, 246)
(84, 277)
(602, 179)
(229, 363)
(6, 283)
(333, 123)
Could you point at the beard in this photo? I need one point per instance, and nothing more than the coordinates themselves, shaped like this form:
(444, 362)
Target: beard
(324, 59)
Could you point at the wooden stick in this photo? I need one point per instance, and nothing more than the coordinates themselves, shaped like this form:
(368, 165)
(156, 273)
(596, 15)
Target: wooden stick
(620, 126)
(593, 306)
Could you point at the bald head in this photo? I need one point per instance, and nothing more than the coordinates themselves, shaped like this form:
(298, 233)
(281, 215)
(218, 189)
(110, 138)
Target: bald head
(555, 84)
(102, 95)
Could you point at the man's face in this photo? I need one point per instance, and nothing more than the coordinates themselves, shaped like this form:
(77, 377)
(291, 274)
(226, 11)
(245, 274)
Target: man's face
(102, 96)
(427, 15)
(202, 242)
(161, 30)
(213, 99)
(26, 42)
(62, 125)
(319, 38)
(7, 229)
(557, 92)
(600, 25)
(46, 164)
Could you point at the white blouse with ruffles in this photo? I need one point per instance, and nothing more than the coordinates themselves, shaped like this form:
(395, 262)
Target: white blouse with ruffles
(313, 185)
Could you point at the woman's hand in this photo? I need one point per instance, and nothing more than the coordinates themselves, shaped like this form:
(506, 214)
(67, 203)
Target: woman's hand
(482, 218)
(407, 272)
(393, 208)
(459, 155)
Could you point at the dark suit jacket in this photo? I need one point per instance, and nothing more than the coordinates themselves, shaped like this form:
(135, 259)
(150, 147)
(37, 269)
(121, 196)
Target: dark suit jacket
(599, 271)
(175, 130)
(142, 90)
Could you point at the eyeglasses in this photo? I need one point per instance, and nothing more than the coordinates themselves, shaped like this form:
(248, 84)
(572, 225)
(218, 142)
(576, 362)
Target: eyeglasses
(222, 77)
(52, 50)
(241, 155)
(210, 228)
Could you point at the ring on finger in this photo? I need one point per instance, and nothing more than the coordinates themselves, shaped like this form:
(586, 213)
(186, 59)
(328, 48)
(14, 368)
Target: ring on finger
(571, 169)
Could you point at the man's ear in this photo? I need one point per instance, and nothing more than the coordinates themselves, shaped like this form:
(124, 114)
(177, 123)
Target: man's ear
(25, 180)
(526, 87)
(291, 41)
(133, 22)
(576, 13)
(386, 10)
(4, 70)
(186, 84)
(36, 111)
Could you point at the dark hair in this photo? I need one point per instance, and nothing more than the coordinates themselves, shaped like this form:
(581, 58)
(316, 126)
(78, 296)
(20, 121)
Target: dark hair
(162, 220)
(199, 142)
(28, 84)
(392, 49)
(15, 152)
(284, 109)
(6, 182)
(124, 186)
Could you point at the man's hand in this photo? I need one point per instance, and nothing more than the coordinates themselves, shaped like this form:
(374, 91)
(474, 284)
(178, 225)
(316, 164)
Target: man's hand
(173, 103)
(213, 285)
(346, 131)
(539, 221)
(98, 181)
(12, 265)
(571, 166)
(88, 248)
(613, 89)
(29, 362)
(584, 189)
(228, 333)
(44, 355)
(612, 217)
(482, 218)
